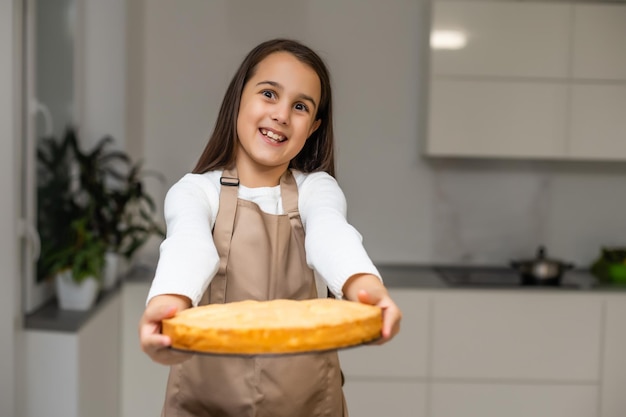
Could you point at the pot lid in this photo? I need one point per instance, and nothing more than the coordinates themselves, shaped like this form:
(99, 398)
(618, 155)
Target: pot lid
(541, 257)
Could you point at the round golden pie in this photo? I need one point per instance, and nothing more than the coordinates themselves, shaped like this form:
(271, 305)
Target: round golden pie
(276, 326)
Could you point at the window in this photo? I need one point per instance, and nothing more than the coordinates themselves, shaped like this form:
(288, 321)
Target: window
(50, 91)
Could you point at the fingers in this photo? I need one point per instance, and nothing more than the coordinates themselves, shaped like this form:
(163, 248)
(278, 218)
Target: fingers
(150, 326)
(155, 344)
(391, 322)
(159, 312)
(151, 339)
(391, 313)
(365, 298)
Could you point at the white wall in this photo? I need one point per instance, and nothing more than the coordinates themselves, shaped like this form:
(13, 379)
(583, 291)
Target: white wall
(408, 208)
(192, 48)
(9, 294)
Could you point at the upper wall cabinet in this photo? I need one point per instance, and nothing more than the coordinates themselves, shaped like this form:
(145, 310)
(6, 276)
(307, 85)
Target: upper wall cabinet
(599, 34)
(501, 39)
(532, 80)
(598, 122)
(479, 118)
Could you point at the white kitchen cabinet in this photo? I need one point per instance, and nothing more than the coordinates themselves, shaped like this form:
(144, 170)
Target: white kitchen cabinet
(614, 364)
(508, 39)
(392, 376)
(407, 355)
(523, 353)
(534, 81)
(479, 118)
(75, 374)
(599, 34)
(142, 382)
(598, 121)
(517, 336)
(513, 400)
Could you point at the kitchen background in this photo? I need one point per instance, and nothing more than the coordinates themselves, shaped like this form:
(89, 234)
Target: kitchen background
(155, 73)
(409, 208)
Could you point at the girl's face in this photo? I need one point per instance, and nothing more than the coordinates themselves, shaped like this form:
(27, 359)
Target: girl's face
(276, 117)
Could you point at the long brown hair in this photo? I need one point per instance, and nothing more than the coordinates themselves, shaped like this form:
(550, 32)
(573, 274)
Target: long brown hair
(318, 151)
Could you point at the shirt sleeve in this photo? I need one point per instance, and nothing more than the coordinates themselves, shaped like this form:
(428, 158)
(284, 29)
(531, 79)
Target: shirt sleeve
(334, 248)
(188, 259)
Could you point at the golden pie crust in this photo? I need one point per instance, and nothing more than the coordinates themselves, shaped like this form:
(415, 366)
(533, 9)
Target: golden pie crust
(276, 326)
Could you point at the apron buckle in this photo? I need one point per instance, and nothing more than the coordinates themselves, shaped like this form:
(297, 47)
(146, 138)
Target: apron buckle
(229, 181)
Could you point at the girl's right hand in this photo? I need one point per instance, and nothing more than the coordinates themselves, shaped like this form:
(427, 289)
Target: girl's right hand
(153, 343)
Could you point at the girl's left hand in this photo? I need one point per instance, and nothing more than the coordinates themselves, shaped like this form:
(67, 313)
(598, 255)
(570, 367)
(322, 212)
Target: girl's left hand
(391, 313)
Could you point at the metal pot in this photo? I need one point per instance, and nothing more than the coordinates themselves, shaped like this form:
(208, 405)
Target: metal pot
(541, 270)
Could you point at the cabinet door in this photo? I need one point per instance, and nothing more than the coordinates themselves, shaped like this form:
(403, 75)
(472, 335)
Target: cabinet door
(598, 122)
(599, 34)
(406, 355)
(142, 386)
(503, 38)
(614, 366)
(497, 119)
(371, 398)
(526, 336)
(513, 400)
(74, 374)
(99, 362)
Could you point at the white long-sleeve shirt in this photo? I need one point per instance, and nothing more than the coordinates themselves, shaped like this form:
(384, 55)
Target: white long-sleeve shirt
(189, 260)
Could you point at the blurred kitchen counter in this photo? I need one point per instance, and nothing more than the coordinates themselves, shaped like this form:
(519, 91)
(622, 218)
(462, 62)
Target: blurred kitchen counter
(413, 276)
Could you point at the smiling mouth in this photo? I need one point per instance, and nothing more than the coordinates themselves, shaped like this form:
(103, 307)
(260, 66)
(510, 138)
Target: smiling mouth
(274, 137)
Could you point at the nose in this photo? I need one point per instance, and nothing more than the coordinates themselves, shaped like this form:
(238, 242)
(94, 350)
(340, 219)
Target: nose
(281, 114)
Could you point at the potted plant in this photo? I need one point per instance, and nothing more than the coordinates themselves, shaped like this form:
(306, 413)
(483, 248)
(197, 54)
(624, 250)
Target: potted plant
(57, 208)
(71, 251)
(610, 265)
(78, 266)
(92, 208)
(123, 212)
(129, 215)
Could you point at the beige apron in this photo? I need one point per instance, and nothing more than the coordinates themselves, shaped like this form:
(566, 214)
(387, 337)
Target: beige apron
(262, 257)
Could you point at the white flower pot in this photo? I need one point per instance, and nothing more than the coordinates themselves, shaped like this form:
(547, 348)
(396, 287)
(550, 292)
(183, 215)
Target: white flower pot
(111, 272)
(75, 296)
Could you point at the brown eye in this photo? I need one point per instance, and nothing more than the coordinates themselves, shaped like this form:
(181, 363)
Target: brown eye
(302, 107)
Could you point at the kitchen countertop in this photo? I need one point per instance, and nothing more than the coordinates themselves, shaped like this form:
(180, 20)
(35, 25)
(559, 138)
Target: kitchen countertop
(410, 276)
(396, 276)
(52, 318)
(428, 277)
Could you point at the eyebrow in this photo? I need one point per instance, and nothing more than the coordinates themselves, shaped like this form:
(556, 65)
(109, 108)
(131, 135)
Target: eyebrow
(280, 87)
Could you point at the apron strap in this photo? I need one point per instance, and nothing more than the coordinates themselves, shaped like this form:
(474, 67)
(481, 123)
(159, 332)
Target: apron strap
(224, 223)
(289, 196)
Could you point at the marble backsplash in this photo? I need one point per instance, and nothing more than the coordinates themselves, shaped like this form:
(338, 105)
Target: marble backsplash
(482, 212)
(487, 212)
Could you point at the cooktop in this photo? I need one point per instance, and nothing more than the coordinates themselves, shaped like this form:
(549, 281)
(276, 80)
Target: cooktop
(487, 276)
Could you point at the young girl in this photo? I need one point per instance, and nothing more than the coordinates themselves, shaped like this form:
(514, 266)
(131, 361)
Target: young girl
(259, 218)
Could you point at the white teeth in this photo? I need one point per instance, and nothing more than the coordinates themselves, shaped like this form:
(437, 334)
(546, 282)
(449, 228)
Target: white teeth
(273, 135)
